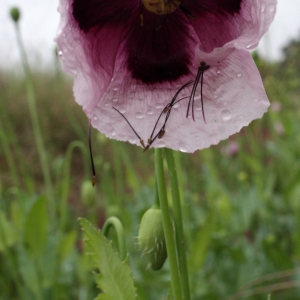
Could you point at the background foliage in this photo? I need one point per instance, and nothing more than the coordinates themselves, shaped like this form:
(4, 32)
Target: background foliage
(241, 198)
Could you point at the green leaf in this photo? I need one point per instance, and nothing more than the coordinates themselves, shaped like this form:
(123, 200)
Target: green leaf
(201, 243)
(36, 228)
(8, 234)
(114, 279)
(66, 245)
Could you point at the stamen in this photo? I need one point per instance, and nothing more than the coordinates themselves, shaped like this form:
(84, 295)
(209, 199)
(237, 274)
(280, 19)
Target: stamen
(94, 179)
(141, 14)
(187, 12)
(141, 141)
(199, 77)
(167, 110)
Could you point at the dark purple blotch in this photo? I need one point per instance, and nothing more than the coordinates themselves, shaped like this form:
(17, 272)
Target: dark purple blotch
(157, 51)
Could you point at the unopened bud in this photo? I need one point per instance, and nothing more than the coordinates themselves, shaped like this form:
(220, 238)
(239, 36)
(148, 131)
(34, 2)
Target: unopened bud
(152, 239)
(88, 193)
(15, 14)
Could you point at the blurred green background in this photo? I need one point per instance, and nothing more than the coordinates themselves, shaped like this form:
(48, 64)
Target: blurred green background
(240, 198)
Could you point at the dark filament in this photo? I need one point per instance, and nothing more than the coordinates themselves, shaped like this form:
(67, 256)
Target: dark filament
(94, 179)
(167, 110)
(141, 141)
(203, 67)
(186, 12)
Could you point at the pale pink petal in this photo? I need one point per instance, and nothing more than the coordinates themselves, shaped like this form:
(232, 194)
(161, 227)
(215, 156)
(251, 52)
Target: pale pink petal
(233, 97)
(233, 94)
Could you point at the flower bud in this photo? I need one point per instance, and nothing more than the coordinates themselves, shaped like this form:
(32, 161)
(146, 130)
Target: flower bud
(88, 193)
(15, 14)
(152, 239)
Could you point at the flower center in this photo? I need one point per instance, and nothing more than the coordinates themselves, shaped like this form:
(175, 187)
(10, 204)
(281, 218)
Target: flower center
(161, 7)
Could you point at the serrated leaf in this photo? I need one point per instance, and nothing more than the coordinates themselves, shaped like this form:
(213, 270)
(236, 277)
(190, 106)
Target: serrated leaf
(36, 228)
(170, 294)
(115, 279)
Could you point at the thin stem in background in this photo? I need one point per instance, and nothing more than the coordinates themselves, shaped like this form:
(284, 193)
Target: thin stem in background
(35, 123)
(9, 156)
(167, 224)
(178, 223)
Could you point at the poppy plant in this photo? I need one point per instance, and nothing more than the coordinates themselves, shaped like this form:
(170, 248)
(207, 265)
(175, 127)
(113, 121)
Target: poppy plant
(130, 58)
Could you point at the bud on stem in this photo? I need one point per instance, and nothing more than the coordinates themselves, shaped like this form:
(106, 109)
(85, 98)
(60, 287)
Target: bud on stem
(152, 239)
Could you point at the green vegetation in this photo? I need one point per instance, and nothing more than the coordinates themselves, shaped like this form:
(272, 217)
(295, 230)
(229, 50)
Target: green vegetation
(241, 205)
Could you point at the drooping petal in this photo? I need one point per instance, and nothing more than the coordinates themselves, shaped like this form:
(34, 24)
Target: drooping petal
(241, 24)
(233, 97)
(137, 68)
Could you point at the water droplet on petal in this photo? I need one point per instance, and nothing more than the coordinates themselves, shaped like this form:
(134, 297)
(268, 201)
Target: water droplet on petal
(182, 147)
(271, 8)
(160, 144)
(60, 53)
(115, 89)
(158, 106)
(218, 71)
(132, 140)
(95, 118)
(122, 110)
(263, 7)
(249, 46)
(139, 115)
(176, 105)
(112, 132)
(198, 105)
(115, 100)
(226, 114)
(239, 74)
(150, 112)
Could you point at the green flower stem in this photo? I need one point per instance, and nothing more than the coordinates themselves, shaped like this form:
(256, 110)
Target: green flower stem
(178, 223)
(167, 224)
(35, 123)
(9, 157)
(13, 140)
(65, 181)
(116, 223)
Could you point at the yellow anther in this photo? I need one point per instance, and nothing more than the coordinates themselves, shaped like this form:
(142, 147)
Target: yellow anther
(161, 7)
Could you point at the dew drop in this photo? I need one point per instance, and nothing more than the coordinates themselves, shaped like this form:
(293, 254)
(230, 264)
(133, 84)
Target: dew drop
(132, 140)
(182, 147)
(271, 8)
(158, 106)
(198, 105)
(150, 112)
(115, 89)
(160, 144)
(115, 100)
(122, 110)
(106, 104)
(176, 105)
(226, 114)
(95, 118)
(112, 132)
(139, 115)
(239, 74)
(249, 46)
(263, 8)
(60, 53)
(218, 71)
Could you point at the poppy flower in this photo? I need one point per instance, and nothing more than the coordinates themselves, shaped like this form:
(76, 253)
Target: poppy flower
(135, 55)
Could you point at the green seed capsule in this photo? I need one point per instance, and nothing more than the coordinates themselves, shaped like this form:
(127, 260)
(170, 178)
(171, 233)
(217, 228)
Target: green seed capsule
(15, 14)
(152, 239)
